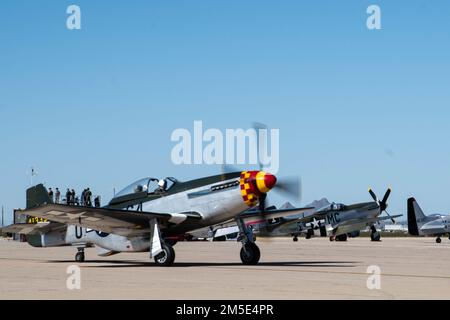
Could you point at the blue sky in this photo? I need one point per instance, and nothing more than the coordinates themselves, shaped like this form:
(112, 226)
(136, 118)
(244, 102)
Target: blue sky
(355, 108)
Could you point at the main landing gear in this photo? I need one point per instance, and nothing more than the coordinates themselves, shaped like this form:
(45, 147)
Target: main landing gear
(374, 234)
(166, 257)
(79, 257)
(250, 253)
(438, 240)
(160, 250)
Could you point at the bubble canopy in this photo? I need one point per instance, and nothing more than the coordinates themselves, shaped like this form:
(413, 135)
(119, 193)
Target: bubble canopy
(149, 185)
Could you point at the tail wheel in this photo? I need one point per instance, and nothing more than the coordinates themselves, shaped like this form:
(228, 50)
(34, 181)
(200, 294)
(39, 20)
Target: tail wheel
(79, 257)
(250, 254)
(166, 257)
(438, 240)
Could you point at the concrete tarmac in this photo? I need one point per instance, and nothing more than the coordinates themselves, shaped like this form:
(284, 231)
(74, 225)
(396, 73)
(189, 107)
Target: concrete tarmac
(411, 268)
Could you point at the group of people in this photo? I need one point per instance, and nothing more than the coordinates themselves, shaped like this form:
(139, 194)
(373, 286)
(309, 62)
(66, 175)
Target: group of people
(72, 199)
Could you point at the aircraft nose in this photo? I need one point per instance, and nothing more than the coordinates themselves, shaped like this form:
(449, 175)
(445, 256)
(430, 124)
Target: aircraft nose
(265, 181)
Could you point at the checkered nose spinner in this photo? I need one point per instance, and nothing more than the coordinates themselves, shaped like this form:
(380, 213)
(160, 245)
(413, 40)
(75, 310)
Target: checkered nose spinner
(255, 184)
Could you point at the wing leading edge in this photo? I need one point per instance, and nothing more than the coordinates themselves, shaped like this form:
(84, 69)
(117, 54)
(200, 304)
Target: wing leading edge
(121, 222)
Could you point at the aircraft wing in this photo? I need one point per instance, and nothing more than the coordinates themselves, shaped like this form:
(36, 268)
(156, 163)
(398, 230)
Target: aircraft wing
(389, 218)
(367, 221)
(33, 228)
(273, 214)
(116, 221)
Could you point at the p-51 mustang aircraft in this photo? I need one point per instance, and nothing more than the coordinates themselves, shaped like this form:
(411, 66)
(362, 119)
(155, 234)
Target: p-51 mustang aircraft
(334, 220)
(143, 216)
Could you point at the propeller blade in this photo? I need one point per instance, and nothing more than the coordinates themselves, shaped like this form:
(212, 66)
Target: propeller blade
(262, 203)
(291, 186)
(260, 126)
(392, 219)
(386, 196)
(374, 196)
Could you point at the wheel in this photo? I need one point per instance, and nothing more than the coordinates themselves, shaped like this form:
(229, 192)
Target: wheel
(341, 237)
(250, 254)
(295, 239)
(79, 257)
(375, 236)
(438, 240)
(166, 257)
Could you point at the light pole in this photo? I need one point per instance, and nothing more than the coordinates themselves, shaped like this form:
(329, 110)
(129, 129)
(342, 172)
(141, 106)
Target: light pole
(32, 173)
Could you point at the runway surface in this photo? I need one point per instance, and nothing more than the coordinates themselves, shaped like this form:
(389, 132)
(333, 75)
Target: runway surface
(411, 268)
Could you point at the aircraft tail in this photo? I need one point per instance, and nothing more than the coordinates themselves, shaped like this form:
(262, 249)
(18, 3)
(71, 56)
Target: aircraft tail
(415, 215)
(37, 195)
(102, 252)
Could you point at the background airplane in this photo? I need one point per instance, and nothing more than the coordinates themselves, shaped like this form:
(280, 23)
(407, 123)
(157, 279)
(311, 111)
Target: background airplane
(334, 220)
(421, 225)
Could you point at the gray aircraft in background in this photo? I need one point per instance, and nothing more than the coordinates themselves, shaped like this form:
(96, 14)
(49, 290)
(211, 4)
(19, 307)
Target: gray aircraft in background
(421, 225)
(334, 220)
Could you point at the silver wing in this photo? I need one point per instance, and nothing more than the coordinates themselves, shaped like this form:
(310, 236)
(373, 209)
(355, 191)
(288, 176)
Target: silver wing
(121, 222)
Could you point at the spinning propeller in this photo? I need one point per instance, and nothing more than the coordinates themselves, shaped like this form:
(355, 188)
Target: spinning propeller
(264, 182)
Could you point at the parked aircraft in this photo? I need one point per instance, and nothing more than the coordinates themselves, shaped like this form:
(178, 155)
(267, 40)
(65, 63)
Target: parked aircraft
(334, 220)
(148, 214)
(421, 225)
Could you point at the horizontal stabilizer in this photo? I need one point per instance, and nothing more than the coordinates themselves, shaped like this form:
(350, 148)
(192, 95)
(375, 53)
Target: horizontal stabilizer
(102, 252)
(32, 228)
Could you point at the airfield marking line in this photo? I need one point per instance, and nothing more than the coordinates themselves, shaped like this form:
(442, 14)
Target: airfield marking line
(337, 272)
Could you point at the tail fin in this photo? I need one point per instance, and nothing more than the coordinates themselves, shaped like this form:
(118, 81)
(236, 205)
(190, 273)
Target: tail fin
(37, 195)
(415, 214)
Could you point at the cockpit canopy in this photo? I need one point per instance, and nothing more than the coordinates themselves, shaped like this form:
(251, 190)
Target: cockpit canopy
(149, 185)
(332, 207)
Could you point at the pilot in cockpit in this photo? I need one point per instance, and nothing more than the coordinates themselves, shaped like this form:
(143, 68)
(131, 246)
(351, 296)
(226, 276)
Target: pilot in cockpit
(162, 185)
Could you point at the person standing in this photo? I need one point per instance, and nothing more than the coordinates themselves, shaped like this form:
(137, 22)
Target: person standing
(57, 196)
(50, 194)
(97, 202)
(83, 198)
(72, 196)
(68, 196)
(88, 197)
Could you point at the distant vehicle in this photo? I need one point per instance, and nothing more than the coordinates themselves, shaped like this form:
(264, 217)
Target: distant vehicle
(421, 225)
